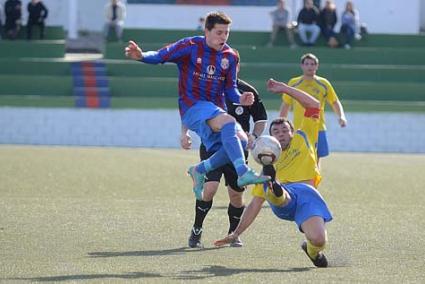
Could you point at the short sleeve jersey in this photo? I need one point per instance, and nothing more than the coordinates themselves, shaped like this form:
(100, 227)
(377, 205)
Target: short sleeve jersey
(320, 88)
(298, 162)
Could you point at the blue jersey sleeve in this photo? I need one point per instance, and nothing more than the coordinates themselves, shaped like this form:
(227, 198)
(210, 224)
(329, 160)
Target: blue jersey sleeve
(152, 57)
(174, 52)
(233, 95)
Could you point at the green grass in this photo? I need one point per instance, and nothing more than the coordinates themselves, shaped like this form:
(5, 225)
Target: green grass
(117, 214)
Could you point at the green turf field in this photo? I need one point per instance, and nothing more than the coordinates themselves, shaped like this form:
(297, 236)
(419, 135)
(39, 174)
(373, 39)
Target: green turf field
(116, 214)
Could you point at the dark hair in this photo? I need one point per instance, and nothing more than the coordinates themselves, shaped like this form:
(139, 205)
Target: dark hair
(309, 56)
(214, 18)
(280, 120)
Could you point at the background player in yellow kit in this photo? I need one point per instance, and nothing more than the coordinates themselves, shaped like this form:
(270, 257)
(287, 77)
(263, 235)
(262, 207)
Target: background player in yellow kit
(322, 90)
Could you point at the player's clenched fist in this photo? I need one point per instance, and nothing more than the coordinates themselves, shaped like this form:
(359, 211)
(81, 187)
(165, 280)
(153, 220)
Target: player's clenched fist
(133, 51)
(246, 99)
(276, 87)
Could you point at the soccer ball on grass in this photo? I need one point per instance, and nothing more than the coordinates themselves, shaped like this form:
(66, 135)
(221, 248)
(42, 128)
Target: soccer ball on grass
(266, 150)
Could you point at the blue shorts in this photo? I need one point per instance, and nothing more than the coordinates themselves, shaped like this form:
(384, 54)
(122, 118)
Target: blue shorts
(322, 145)
(196, 118)
(305, 203)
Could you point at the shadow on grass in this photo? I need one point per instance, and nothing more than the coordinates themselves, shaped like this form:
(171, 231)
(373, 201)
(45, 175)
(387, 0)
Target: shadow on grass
(203, 273)
(130, 275)
(218, 270)
(176, 251)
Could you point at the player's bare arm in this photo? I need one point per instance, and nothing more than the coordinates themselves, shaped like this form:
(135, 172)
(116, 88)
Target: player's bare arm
(302, 97)
(284, 110)
(248, 216)
(339, 111)
(133, 51)
(259, 127)
(185, 138)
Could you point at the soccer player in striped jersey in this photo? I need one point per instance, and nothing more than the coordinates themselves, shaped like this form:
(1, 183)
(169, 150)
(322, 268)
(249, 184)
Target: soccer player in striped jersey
(322, 90)
(243, 115)
(292, 200)
(207, 75)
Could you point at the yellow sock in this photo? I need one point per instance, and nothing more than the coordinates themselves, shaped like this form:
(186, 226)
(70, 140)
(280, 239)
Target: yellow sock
(273, 199)
(313, 250)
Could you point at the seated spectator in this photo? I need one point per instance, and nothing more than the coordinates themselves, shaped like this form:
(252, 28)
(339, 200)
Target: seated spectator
(37, 14)
(13, 22)
(1, 22)
(308, 20)
(350, 25)
(328, 19)
(201, 24)
(281, 21)
(115, 13)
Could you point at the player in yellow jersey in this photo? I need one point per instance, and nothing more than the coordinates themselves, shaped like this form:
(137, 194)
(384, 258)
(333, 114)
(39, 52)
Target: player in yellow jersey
(290, 194)
(322, 90)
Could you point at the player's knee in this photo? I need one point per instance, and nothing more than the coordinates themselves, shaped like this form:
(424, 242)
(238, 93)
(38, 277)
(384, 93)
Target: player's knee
(210, 189)
(235, 198)
(217, 123)
(318, 238)
(226, 119)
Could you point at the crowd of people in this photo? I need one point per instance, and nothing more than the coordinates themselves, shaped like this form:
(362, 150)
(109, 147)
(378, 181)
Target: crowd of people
(11, 18)
(218, 106)
(312, 21)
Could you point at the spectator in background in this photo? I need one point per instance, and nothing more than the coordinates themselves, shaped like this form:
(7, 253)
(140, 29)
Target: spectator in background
(115, 13)
(328, 19)
(281, 21)
(350, 25)
(13, 13)
(317, 4)
(37, 14)
(1, 21)
(201, 24)
(308, 20)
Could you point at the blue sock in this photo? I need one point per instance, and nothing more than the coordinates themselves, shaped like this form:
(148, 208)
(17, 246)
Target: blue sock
(218, 159)
(233, 147)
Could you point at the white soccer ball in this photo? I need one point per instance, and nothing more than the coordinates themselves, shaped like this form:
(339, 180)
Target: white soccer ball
(266, 150)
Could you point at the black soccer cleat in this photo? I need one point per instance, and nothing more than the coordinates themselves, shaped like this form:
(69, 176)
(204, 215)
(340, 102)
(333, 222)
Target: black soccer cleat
(195, 238)
(319, 261)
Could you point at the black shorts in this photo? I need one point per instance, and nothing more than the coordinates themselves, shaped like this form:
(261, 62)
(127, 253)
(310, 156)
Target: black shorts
(229, 172)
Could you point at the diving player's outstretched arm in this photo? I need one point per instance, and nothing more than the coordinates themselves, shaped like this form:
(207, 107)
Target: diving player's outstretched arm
(248, 216)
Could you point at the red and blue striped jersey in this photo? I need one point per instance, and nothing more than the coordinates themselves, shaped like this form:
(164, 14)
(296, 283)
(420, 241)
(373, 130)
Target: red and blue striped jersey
(204, 73)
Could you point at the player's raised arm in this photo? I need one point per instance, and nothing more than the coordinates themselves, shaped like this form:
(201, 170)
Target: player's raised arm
(302, 97)
(133, 51)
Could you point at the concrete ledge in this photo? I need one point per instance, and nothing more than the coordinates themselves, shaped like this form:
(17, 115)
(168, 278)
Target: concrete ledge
(366, 132)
